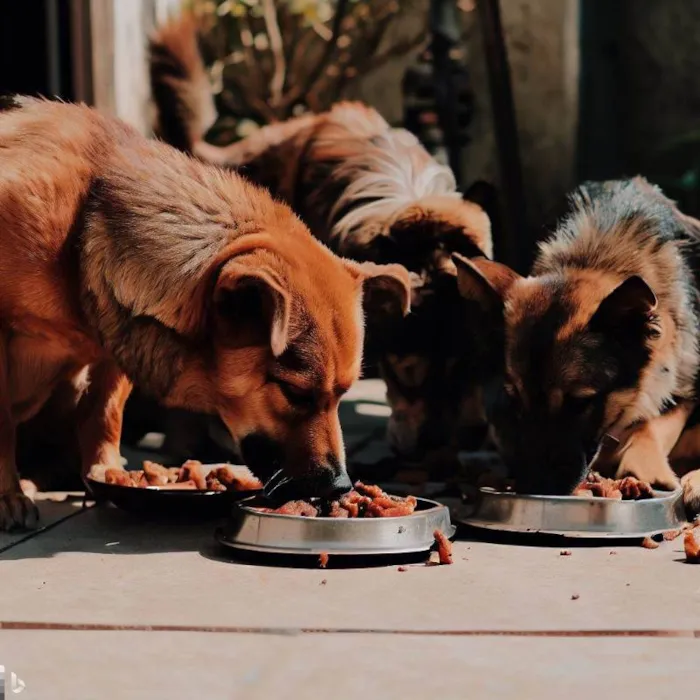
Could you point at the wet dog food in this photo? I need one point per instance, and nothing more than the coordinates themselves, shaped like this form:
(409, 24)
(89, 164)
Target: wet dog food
(191, 476)
(364, 501)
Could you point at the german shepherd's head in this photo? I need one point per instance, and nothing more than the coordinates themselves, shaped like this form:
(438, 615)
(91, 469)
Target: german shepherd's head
(592, 341)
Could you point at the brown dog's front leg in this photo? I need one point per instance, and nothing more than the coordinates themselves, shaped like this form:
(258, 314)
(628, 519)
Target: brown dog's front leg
(645, 455)
(16, 510)
(100, 412)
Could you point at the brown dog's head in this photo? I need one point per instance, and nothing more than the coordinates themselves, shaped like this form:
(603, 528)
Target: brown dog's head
(564, 357)
(286, 331)
(426, 358)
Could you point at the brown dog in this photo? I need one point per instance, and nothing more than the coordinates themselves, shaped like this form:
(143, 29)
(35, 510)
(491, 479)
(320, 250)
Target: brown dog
(600, 342)
(371, 193)
(125, 261)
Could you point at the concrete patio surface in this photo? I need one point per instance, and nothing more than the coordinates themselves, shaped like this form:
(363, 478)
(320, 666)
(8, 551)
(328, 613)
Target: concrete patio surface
(104, 604)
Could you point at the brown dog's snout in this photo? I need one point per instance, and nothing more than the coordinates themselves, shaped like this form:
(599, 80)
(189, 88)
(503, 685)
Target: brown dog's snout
(294, 474)
(327, 480)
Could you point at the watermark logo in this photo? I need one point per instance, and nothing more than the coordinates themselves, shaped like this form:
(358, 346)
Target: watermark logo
(12, 681)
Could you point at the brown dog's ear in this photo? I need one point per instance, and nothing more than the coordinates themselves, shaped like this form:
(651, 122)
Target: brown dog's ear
(386, 289)
(252, 300)
(630, 300)
(483, 280)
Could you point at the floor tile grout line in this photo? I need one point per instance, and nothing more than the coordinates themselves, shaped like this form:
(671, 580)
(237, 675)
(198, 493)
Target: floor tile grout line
(19, 625)
(35, 533)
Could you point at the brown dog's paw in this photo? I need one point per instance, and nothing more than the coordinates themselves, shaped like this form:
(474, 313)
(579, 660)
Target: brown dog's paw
(691, 493)
(17, 512)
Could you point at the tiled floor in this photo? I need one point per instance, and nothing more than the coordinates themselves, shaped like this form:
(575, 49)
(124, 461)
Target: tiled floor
(102, 604)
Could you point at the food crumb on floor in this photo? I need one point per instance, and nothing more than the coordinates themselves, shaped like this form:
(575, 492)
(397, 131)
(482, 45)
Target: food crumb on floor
(565, 553)
(403, 568)
(649, 543)
(575, 596)
(444, 547)
(691, 545)
(612, 552)
(324, 581)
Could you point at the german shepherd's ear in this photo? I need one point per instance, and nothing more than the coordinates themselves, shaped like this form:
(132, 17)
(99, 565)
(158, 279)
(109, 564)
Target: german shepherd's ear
(483, 281)
(632, 301)
(252, 301)
(386, 289)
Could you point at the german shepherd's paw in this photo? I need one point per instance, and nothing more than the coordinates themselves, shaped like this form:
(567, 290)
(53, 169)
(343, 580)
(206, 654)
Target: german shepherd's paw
(643, 461)
(17, 512)
(691, 493)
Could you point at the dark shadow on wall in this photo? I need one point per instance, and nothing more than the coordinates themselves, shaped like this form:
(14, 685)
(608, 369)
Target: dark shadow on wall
(35, 49)
(599, 145)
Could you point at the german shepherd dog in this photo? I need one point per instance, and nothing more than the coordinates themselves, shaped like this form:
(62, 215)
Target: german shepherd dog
(598, 348)
(371, 193)
(124, 260)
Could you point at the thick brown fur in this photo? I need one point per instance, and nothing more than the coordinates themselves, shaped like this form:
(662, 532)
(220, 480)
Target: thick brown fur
(602, 338)
(371, 192)
(125, 261)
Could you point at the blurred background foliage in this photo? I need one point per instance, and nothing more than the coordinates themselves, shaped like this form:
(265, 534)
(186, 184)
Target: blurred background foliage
(273, 59)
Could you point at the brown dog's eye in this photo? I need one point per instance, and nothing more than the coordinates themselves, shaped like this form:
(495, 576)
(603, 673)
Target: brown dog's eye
(296, 396)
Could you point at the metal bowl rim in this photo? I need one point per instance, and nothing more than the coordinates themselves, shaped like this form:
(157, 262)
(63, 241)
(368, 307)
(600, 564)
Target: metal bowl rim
(667, 495)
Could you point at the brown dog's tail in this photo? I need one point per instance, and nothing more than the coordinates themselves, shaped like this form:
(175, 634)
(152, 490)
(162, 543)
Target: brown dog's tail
(181, 89)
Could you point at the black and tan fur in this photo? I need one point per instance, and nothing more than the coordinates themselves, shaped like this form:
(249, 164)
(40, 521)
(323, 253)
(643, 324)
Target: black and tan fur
(601, 339)
(372, 193)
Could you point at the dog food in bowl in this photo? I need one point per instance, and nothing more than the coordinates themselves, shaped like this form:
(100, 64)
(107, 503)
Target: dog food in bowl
(364, 501)
(191, 476)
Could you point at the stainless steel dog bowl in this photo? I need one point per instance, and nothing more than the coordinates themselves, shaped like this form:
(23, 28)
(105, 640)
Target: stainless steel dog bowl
(573, 516)
(252, 530)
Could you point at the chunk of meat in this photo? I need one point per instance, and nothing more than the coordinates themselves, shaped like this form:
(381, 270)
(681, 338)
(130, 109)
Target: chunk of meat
(213, 484)
(302, 508)
(156, 474)
(691, 544)
(192, 470)
(444, 547)
(237, 479)
(118, 477)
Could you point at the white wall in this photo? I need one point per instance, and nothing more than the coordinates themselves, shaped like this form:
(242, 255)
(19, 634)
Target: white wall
(120, 30)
